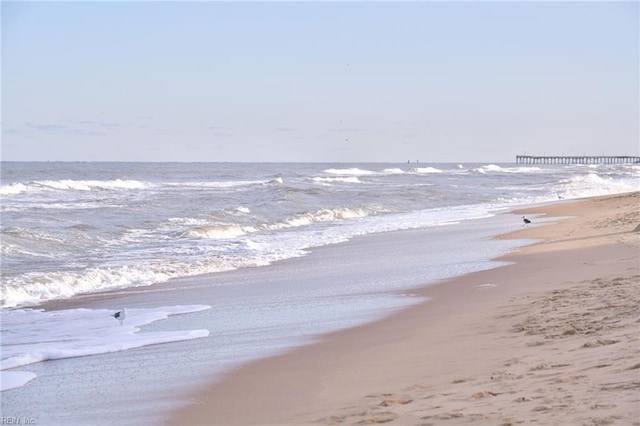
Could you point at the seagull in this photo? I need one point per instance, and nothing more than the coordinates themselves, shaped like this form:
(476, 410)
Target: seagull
(120, 315)
(525, 220)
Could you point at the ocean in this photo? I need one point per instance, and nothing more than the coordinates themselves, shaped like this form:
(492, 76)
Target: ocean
(218, 264)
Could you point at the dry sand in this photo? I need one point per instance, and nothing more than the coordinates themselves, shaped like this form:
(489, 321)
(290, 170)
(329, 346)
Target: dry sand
(552, 339)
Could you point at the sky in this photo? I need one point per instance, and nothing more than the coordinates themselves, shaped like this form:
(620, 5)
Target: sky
(318, 81)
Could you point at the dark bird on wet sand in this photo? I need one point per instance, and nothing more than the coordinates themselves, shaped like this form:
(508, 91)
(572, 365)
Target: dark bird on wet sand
(525, 220)
(120, 315)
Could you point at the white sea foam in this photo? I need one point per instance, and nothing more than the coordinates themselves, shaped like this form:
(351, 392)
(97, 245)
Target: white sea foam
(592, 184)
(352, 171)
(393, 171)
(13, 189)
(221, 184)
(224, 231)
(15, 379)
(488, 168)
(30, 336)
(351, 179)
(88, 185)
(319, 216)
(425, 170)
(498, 169)
(35, 287)
(188, 221)
(17, 188)
(277, 181)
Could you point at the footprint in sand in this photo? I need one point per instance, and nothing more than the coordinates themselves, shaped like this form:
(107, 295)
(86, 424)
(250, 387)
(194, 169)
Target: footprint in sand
(385, 417)
(378, 395)
(399, 401)
(600, 342)
(444, 416)
(484, 394)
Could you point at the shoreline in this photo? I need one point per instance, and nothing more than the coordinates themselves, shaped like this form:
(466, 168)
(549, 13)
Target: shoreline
(408, 369)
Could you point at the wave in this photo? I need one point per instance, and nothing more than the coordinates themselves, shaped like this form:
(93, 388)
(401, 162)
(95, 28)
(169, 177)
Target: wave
(225, 184)
(72, 185)
(33, 234)
(323, 215)
(33, 288)
(31, 242)
(393, 171)
(325, 180)
(10, 249)
(218, 231)
(13, 189)
(120, 184)
(72, 205)
(224, 231)
(425, 170)
(497, 169)
(352, 171)
(592, 184)
(173, 261)
(489, 168)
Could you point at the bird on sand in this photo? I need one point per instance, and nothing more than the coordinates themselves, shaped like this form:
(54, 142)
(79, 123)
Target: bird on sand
(120, 315)
(525, 220)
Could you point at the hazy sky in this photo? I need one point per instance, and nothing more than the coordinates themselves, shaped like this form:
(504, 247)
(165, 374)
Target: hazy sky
(326, 81)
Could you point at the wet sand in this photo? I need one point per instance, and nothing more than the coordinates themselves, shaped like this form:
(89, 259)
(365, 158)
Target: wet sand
(553, 338)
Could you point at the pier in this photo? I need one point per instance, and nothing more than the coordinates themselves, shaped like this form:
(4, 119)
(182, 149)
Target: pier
(580, 159)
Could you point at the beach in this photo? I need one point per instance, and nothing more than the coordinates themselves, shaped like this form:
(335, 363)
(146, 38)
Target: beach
(550, 338)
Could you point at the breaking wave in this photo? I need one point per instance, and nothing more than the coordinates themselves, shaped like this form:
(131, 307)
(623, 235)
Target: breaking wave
(326, 180)
(492, 168)
(323, 215)
(223, 231)
(425, 170)
(73, 185)
(218, 231)
(352, 171)
(591, 185)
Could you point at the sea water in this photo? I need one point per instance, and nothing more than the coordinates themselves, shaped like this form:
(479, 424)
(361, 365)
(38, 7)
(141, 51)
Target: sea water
(229, 263)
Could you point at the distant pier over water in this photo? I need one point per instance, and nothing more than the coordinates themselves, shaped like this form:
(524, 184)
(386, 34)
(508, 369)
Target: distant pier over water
(580, 159)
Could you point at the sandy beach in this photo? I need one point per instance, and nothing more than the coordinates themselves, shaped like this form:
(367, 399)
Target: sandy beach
(552, 338)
